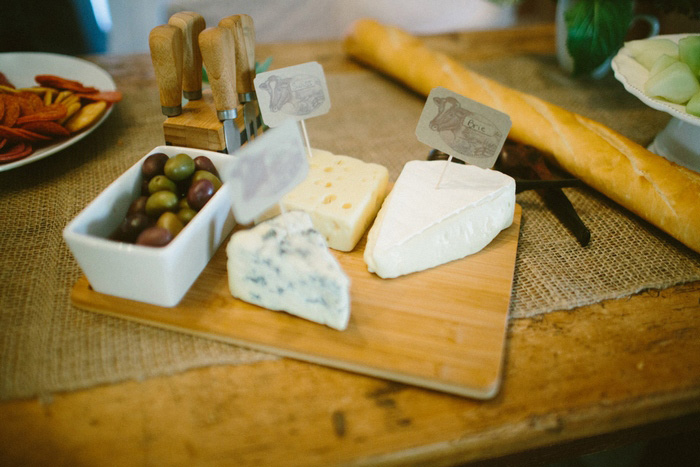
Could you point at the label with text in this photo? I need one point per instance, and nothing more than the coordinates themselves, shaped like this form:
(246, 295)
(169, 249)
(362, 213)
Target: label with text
(462, 128)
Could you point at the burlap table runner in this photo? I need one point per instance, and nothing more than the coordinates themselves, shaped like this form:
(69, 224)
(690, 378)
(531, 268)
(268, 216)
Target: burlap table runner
(46, 345)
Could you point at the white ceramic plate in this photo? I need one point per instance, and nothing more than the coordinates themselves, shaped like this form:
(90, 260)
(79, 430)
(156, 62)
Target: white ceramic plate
(633, 75)
(20, 69)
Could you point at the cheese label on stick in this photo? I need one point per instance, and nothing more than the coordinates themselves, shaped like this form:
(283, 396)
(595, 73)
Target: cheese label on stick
(297, 92)
(462, 127)
(266, 169)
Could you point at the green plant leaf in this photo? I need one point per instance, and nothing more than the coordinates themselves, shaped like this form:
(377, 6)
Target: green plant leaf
(596, 30)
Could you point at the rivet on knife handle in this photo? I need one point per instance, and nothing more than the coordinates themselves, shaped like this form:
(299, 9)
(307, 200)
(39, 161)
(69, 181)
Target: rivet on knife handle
(191, 24)
(165, 42)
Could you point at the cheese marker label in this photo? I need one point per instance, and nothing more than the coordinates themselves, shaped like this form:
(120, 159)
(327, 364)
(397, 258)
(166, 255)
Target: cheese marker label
(462, 127)
(265, 170)
(297, 92)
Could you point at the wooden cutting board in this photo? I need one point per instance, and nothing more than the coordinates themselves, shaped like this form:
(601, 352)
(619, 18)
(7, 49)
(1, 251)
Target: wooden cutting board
(443, 328)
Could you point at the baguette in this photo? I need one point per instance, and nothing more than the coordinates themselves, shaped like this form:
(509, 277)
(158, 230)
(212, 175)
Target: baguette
(661, 192)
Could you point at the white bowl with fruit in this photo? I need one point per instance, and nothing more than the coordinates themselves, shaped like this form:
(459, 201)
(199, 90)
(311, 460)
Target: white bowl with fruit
(664, 73)
(132, 244)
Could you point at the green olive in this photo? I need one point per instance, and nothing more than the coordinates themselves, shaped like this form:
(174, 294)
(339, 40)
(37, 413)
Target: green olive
(160, 183)
(169, 220)
(183, 204)
(186, 214)
(179, 167)
(204, 174)
(159, 202)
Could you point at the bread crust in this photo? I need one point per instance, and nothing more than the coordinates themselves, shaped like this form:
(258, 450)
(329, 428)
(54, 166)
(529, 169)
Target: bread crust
(661, 192)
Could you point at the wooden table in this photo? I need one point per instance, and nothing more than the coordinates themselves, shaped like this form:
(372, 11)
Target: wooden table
(575, 381)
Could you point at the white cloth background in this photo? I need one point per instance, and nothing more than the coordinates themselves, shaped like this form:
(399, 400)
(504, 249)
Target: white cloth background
(302, 20)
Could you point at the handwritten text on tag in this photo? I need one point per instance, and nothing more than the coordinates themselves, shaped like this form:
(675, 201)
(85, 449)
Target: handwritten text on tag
(266, 169)
(297, 92)
(462, 128)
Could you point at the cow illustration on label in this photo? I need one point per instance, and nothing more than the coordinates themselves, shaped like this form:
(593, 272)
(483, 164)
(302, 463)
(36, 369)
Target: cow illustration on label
(463, 130)
(298, 95)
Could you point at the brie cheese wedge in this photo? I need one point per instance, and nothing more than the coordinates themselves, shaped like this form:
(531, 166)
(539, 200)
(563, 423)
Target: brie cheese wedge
(284, 264)
(422, 225)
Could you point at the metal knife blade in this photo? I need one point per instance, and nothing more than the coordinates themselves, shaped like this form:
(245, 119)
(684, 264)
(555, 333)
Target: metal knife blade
(165, 42)
(244, 76)
(216, 44)
(191, 24)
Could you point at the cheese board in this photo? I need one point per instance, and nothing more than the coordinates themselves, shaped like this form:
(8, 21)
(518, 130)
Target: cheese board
(442, 328)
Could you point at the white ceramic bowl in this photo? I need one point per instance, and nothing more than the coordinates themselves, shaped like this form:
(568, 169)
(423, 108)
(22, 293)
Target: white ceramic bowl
(156, 275)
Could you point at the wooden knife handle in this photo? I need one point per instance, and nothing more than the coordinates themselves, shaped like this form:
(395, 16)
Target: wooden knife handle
(216, 44)
(244, 75)
(191, 24)
(249, 37)
(165, 42)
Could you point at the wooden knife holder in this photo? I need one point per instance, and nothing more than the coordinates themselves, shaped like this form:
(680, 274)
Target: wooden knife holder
(198, 126)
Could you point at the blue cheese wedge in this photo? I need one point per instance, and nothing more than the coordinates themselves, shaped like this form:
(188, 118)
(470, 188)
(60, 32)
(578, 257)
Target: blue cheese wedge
(422, 225)
(284, 264)
(342, 195)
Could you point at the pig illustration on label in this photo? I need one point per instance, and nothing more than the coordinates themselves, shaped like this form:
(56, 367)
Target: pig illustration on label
(297, 95)
(464, 131)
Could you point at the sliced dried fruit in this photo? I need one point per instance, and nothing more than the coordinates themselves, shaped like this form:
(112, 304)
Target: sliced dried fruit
(63, 83)
(40, 90)
(11, 134)
(107, 96)
(16, 152)
(86, 116)
(12, 110)
(32, 99)
(32, 136)
(48, 96)
(70, 111)
(51, 110)
(62, 95)
(47, 128)
(25, 107)
(48, 113)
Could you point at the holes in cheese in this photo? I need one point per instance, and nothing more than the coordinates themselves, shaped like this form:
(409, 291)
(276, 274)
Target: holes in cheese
(341, 194)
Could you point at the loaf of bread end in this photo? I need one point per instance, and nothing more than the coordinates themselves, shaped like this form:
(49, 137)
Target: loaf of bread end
(661, 192)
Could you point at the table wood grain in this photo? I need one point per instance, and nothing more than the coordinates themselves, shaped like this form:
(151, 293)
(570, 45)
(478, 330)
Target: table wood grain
(574, 381)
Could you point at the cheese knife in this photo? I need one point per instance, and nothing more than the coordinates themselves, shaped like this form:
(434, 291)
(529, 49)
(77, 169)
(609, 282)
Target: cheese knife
(244, 74)
(165, 42)
(216, 44)
(191, 24)
(527, 162)
(526, 166)
(249, 38)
